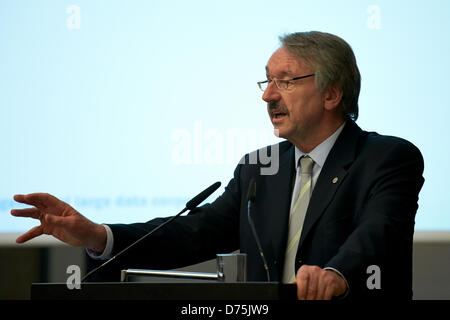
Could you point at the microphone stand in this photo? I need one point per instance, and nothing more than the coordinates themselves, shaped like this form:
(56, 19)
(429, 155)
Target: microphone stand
(192, 204)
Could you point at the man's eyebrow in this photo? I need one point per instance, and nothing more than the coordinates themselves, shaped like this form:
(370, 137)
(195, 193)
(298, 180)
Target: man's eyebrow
(282, 74)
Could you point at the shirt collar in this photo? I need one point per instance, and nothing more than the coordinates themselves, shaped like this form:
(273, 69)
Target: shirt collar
(320, 153)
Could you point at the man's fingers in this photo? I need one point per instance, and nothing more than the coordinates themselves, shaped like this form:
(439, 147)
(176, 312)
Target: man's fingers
(50, 224)
(39, 200)
(313, 287)
(33, 233)
(302, 285)
(322, 288)
(27, 213)
(32, 199)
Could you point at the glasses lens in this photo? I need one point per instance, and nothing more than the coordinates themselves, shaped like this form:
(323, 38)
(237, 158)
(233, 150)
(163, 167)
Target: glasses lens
(283, 84)
(263, 85)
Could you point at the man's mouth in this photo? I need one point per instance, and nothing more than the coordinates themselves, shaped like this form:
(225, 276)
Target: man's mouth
(278, 114)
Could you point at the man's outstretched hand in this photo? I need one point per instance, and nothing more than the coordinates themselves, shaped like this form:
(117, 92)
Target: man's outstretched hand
(60, 220)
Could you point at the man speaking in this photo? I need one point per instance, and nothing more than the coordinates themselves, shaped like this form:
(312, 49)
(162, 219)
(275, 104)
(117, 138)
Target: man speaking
(342, 202)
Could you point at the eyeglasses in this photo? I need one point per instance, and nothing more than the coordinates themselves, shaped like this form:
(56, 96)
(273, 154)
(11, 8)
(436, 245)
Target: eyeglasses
(280, 83)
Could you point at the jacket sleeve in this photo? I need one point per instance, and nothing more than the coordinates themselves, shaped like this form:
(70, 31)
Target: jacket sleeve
(384, 230)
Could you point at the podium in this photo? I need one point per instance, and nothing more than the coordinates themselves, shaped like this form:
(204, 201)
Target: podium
(228, 283)
(165, 291)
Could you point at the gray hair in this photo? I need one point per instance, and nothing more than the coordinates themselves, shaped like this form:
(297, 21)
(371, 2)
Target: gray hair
(333, 62)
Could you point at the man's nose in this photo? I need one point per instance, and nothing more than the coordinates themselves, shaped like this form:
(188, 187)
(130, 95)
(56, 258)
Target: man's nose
(272, 93)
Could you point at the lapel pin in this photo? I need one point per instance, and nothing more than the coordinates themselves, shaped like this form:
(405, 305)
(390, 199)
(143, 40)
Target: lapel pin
(335, 179)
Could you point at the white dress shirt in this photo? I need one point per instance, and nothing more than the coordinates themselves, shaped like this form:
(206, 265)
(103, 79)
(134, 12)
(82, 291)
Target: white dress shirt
(319, 154)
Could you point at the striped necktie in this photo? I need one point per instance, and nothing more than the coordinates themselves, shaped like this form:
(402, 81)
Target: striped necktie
(297, 217)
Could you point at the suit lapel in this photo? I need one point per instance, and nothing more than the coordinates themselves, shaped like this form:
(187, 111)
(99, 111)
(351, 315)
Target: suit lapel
(332, 174)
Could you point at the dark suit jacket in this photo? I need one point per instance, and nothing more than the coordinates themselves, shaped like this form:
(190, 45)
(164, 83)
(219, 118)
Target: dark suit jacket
(365, 217)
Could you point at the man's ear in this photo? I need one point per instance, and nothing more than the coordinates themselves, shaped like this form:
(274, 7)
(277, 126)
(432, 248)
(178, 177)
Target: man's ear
(332, 97)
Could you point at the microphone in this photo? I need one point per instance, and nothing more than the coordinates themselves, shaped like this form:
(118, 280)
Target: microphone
(194, 202)
(251, 196)
(191, 204)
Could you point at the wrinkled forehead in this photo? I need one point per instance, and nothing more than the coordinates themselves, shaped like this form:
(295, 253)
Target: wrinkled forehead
(282, 63)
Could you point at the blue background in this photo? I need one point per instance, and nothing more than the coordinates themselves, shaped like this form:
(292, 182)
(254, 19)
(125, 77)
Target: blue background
(142, 104)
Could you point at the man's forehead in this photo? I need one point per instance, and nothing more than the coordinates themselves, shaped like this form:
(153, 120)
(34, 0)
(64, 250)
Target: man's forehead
(280, 70)
(284, 63)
